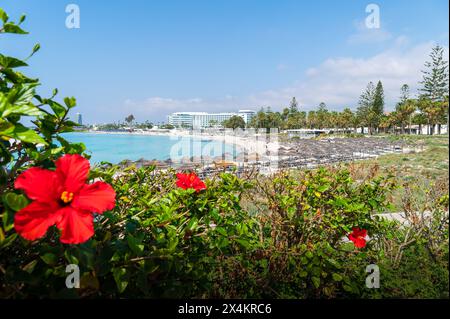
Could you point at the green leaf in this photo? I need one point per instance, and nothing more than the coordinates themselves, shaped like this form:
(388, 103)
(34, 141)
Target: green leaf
(18, 101)
(15, 201)
(10, 62)
(221, 231)
(337, 277)
(22, 94)
(334, 263)
(243, 243)
(13, 28)
(56, 150)
(119, 277)
(192, 224)
(57, 108)
(7, 219)
(4, 105)
(323, 188)
(223, 242)
(70, 102)
(373, 203)
(173, 243)
(8, 240)
(70, 258)
(20, 132)
(348, 288)
(27, 110)
(16, 77)
(30, 266)
(135, 245)
(22, 18)
(36, 48)
(3, 16)
(50, 259)
(315, 281)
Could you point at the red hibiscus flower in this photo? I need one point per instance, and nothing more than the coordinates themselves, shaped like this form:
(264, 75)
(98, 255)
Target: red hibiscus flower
(62, 198)
(358, 237)
(191, 180)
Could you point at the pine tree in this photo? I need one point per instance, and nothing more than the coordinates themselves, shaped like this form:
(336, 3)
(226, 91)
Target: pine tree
(435, 77)
(364, 110)
(293, 108)
(435, 88)
(378, 105)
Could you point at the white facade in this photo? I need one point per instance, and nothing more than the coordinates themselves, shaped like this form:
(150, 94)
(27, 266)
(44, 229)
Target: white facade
(204, 119)
(247, 115)
(182, 119)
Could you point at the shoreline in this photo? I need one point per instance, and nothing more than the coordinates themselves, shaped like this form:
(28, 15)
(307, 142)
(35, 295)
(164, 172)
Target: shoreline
(250, 144)
(270, 155)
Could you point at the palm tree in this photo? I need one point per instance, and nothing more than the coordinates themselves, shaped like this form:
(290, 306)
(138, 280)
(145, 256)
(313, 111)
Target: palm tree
(404, 111)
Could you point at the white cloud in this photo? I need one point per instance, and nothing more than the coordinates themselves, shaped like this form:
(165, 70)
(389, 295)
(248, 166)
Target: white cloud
(337, 81)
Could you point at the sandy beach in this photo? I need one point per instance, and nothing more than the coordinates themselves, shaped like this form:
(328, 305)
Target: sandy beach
(265, 151)
(248, 142)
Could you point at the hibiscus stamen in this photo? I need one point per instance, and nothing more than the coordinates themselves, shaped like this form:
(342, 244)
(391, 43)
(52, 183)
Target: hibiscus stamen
(66, 197)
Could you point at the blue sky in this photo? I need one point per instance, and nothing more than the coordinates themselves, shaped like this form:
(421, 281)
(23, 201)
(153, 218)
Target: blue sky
(151, 58)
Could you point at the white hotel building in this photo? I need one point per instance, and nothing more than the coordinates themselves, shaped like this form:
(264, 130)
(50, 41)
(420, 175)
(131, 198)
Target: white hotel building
(204, 120)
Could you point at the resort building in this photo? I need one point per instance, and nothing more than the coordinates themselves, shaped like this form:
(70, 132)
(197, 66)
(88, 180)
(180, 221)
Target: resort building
(182, 119)
(247, 115)
(205, 120)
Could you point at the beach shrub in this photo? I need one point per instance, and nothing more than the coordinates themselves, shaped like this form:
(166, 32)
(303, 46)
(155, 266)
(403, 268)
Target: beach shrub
(160, 241)
(165, 241)
(323, 204)
(304, 222)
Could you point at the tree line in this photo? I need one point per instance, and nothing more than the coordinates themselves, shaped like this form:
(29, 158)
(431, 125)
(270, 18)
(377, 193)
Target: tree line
(429, 107)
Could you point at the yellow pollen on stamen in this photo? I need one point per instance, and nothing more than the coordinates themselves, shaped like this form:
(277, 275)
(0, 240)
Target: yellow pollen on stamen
(66, 197)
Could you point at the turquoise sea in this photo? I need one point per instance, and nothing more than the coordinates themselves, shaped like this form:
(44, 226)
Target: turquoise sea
(115, 148)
